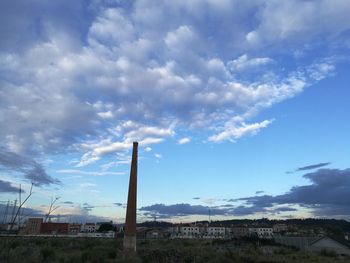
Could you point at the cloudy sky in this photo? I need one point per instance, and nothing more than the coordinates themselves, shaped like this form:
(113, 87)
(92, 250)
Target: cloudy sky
(241, 108)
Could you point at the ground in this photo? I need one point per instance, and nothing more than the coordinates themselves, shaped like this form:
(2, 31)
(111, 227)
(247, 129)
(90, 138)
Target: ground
(17, 249)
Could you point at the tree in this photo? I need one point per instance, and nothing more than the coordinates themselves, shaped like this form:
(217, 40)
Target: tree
(51, 208)
(105, 227)
(21, 204)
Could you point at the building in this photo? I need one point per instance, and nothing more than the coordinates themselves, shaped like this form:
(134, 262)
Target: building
(36, 226)
(239, 232)
(174, 231)
(329, 244)
(316, 244)
(88, 228)
(215, 232)
(54, 228)
(33, 226)
(189, 231)
(298, 242)
(156, 233)
(280, 228)
(261, 232)
(74, 229)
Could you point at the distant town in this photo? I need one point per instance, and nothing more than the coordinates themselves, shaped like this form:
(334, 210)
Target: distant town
(304, 234)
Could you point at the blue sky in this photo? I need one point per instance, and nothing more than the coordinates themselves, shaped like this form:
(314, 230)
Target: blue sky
(239, 108)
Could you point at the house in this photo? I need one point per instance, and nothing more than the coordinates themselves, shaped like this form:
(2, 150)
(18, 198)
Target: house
(330, 244)
(54, 228)
(156, 233)
(279, 228)
(215, 232)
(190, 231)
(88, 228)
(74, 228)
(261, 232)
(33, 226)
(316, 244)
(36, 226)
(299, 242)
(239, 232)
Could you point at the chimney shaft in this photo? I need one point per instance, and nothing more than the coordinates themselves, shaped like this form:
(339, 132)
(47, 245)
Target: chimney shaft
(130, 220)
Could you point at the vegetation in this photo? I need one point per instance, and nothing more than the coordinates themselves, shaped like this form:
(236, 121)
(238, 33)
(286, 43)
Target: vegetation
(105, 227)
(61, 250)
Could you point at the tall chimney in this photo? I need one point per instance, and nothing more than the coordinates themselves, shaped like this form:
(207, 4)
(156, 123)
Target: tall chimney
(130, 220)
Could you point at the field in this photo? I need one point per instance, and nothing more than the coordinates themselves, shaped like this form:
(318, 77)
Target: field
(19, 250)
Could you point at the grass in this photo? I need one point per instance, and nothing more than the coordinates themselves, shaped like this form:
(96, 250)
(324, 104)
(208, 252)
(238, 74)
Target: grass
(62, 250)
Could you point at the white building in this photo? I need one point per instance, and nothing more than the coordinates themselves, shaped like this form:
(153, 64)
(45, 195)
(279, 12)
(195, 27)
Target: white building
(278, 228)
(189, 231)
(239, 232)
(88, 228)
(215, 232)
(261, 232)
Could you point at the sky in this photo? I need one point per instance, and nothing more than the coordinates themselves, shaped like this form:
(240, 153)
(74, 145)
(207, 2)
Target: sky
(241, 108)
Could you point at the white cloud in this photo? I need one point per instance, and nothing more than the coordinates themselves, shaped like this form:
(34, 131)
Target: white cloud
(184, 140)
(144, 72)
(147, 131)
(321, 70)
(88, 173)
(106, 115)
(244, 63)
(236, 131)
(96, 153)
(180, 38)
(111, 27)
(148, 149)
(158, 156)
(299, 22)
(87, 185)
(132, 131)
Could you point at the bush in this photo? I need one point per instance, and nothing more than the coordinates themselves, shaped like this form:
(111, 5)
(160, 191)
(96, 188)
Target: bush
(283, 251)
(112, 254)
(48, 254)
(130, 260)
(328, 253)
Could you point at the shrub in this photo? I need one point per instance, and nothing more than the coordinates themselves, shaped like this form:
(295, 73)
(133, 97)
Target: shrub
(328, 253)
(48, 254)
(112, 254)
